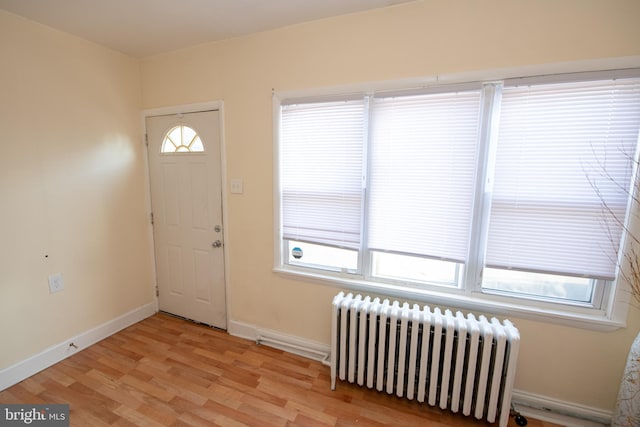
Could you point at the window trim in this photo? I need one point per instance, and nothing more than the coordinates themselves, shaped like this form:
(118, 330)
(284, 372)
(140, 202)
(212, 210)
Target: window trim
(614, 307)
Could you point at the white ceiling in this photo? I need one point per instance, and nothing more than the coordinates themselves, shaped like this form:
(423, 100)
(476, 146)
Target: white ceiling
(142, 28)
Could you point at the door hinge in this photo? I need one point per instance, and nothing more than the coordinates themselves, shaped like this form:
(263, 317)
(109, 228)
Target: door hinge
(151, 216)
(146, 140)
(157, 291)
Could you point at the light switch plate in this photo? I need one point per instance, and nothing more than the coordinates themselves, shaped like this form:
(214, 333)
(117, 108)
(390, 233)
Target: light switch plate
(55, 283)
(236, 186)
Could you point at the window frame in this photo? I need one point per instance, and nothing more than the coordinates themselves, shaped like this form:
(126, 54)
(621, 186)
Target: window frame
(611, 301)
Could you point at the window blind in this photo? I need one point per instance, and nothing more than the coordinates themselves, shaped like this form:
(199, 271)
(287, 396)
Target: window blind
(321, 172)
(421, 174)
(563, 150)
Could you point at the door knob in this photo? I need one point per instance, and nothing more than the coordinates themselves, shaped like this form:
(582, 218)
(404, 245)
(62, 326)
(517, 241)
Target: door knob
(216, 244)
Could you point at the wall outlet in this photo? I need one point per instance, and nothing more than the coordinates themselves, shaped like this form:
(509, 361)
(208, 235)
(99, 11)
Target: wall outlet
(55, 283)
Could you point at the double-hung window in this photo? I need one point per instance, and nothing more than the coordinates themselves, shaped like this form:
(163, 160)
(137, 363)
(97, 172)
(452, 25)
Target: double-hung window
(321, 187)
(514, 190)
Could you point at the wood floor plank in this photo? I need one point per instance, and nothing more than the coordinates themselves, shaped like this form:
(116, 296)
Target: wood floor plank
(136, 417)
(311, 413)
(191, 419)
(223, 413)
(274, 398)
(167, 372)
(147, 388)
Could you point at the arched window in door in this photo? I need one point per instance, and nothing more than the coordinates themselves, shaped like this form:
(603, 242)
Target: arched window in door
(182, 139)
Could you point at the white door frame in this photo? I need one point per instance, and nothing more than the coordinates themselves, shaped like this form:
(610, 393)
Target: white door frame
(190, 108)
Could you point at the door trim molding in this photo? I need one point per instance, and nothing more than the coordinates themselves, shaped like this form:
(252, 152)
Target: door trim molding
(186, 108)
(192, 108)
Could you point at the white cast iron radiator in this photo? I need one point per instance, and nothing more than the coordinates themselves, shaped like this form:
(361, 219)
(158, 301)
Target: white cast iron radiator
(458, 363)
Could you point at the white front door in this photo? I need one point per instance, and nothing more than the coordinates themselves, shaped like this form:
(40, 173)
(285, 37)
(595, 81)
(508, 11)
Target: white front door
(186, 200)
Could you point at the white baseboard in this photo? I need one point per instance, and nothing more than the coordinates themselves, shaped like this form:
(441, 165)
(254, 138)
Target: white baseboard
(241, 330)
(54, 354)
(560, 412)
(528, 404)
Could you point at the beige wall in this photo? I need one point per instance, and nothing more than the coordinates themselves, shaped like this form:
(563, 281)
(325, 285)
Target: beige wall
(418, 39)
(72, 192)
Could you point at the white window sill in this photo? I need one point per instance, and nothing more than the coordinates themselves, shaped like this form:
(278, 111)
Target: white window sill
(476, 302)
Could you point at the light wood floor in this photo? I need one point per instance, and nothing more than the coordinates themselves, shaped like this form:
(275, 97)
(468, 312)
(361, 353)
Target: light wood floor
(165, 371)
